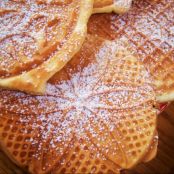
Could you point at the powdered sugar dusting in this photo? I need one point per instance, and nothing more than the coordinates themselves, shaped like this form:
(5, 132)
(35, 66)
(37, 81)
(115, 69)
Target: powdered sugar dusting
(148, 27)
(30, 29)
(123, 3)
(87, 102)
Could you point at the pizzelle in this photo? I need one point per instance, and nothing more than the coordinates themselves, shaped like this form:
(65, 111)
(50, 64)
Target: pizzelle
(148, 28)
(97, 114)
(37, 38)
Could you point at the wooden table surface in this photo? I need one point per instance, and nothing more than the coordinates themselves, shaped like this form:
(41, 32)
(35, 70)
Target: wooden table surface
(162, 164)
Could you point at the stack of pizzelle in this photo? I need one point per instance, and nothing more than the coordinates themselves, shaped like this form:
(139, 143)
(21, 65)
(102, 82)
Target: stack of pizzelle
(96, 115)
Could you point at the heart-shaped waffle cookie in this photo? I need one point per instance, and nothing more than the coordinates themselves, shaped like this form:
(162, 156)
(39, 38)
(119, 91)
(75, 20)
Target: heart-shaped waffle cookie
(37, 38)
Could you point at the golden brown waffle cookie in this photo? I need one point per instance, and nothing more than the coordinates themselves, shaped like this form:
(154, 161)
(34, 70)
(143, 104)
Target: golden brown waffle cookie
(37, 38)
(101, 101)
(148, 27)
(107, 6)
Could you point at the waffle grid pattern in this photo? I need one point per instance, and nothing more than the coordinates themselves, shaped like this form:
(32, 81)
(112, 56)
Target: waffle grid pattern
(82, 159)
(149, 29)
(12, 134)
(137, 142)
